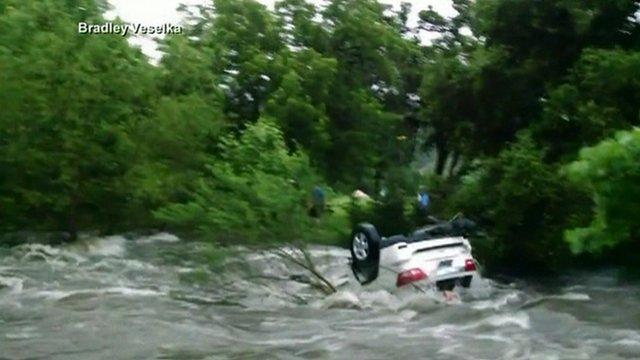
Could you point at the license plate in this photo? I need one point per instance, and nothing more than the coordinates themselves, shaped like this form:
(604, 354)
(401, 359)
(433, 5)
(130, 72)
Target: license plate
(444, 264)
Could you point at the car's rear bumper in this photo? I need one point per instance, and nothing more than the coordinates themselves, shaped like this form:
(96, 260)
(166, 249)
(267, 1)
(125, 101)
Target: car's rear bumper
(447, 282)
(450, 276)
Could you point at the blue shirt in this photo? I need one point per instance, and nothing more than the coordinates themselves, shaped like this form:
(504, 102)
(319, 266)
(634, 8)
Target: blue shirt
(423, 200)
(318, 195)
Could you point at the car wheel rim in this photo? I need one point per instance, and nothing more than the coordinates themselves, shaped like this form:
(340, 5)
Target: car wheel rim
(360, 246)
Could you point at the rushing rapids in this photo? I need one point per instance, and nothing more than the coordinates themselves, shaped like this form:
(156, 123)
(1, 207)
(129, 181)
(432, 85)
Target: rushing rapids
(158, 297)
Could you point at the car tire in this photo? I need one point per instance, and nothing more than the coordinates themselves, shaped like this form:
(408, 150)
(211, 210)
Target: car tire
(465, 282)
(365, 253)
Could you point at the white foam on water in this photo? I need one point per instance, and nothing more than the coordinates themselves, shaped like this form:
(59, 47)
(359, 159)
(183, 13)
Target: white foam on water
(131, 264)
(422, 303)
(25, 334)
(121, 290)
(341, 300)
(444, 331)
(571, 296)
(60, 294)
(127, 291)
(18, 336)
(159, 237)
(407, 315)
(53, 256)
(40, 248)
(38, 252)
(379, 299)
(70, 255)
(520, 319)
(334, 252)
(107, 246)
(628, 336)
(628, 343)
(111, 264)
(452, 348)
(498, 303)
(573, 288)
(493, 337)
(266, 302)
(290, 341)
(14, 284)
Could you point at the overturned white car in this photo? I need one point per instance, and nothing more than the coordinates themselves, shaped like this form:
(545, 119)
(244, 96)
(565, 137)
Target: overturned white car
(438, 254)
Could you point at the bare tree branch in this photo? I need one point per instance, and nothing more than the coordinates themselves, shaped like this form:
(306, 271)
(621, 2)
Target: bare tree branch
(306, 262)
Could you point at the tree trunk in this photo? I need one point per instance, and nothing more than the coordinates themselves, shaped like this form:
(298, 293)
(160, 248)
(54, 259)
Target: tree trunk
(441, 158)
(454, 163)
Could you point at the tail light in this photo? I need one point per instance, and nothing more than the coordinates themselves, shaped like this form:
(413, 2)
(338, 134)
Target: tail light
(469, 265)
(409, 276)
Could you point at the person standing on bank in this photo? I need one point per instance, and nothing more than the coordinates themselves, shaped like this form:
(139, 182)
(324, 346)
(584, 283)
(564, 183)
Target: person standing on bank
(422, 206)
(318, 202)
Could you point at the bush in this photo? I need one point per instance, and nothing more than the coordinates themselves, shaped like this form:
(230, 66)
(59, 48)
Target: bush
(255, 193)
(524, 205)
(611, 173)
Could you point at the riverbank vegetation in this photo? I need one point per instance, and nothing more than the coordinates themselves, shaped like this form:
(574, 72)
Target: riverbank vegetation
(520, 114)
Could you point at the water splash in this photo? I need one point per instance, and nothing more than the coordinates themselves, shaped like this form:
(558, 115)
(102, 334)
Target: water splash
(120, 298)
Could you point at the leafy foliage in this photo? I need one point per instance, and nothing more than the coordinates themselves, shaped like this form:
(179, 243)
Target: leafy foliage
(255, 192)
(601, 96)
(68, 107)
(525, 203)
(251, 108)
(611, 172)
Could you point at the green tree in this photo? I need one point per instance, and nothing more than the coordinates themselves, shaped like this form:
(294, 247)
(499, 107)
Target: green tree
(174, 147)
(246, 38)
(254, 193)
(611, 173)
(601, 96)
(448, 110)
(68, 102)
(524, 204)
(447, 91)
(529, 46)
(298, 20)
(300, 120)
(368, 130)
